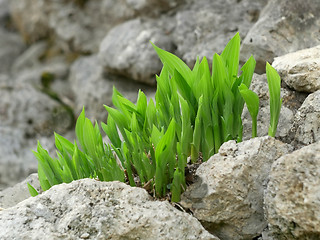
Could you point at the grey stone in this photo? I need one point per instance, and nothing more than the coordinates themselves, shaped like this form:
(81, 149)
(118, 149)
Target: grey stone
(284, 26)
(204, 27)
(292, 201)
(16, 159)
(11, 46)
(93, 89)
(306, 126)
(127, 51)
(24, 107)
(300, 70)
(19, 192)
(227, 197)
(79, 25)
(97, 210)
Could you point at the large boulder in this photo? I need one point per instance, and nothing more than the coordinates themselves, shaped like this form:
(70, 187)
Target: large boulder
(127, 51)
(227, 196)
(306, 125)
(89, 209)
(77, 25)
(292, 201)
(284, 26)
(300, 70)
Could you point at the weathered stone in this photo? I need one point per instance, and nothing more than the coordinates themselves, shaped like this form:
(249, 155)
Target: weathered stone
(11, 46)
(227, 197)
(300, 70)
(284, 26)
(204, 27)
(23, 107)
(306, 126)
(127, 51)
(97, 210)
(19, 192)
(79, 25)
(93, 88)
(292, 201)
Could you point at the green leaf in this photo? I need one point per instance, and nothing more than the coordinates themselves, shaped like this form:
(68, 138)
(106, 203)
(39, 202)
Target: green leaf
(230, 56)
(252, 101)
(33, 192)
(173, 63)
(79, 129)
(274, 83)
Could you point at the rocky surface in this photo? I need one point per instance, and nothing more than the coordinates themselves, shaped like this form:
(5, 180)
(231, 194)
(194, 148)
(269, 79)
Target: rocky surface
(127, 51)
(306, 126)
(88, 209)
(227, 197)
(58, 56)
(300, 70)
(284, 26)
(292, 198)
(13, 195)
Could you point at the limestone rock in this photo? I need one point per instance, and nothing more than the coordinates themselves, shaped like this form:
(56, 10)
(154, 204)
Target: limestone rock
(11, 46)
(204, 27)
(79, 25)
(306, 126)
(127, 51)
(300, 70)
(292, 198)
(19, 192)
(97, 210)
(284, 26)
(227, 197)
(93, 89)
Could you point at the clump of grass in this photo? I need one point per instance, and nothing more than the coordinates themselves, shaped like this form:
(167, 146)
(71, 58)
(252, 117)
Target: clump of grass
(194, 113)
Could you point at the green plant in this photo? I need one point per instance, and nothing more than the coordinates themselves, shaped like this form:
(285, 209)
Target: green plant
(193, 114)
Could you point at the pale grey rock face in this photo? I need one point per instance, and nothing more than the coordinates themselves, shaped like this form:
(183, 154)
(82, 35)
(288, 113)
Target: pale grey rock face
(93, 89)
(97, 210)
(284, 26)
(79, 25)
(292, 201)
(227, 197)
(127, 51)
(306, 126)
(300, 70)
(11, 46)
(19, 192)
(21, 105)
(204, 27)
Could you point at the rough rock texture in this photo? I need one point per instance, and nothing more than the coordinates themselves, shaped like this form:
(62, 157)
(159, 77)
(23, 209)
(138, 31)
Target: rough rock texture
(79, 25)
(127, 51)
(20, 105)
(227, 197)
(300, 70)
(291, 102)
(292, 197)
(204, 27)
(89, 209)
(19, 192)
(306, 126)
(11, 46)
(284, 26)
(92, 88)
